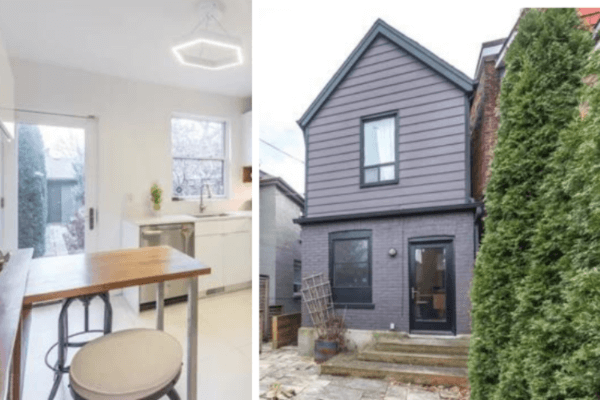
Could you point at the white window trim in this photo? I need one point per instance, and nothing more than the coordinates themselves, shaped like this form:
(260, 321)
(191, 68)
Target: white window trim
(227, 160)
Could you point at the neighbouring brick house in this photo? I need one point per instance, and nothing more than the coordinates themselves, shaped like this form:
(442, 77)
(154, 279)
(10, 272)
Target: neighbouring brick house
(389, 214)
(485, 114)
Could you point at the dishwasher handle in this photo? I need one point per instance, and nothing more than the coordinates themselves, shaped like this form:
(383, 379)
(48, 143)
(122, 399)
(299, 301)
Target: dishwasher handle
(151, 232)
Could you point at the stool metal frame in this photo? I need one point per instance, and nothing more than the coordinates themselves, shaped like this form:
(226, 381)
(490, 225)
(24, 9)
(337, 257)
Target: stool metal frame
(168, 390)
(63, 343)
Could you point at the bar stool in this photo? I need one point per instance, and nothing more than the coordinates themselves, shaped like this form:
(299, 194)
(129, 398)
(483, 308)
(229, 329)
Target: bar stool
(134, 364)
(63, 343)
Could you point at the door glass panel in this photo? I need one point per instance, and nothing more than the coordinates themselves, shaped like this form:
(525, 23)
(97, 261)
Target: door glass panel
(51, 189)
(429, 294)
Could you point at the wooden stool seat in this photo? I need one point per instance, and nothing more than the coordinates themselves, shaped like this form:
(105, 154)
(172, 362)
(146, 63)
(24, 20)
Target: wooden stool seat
(127, 365)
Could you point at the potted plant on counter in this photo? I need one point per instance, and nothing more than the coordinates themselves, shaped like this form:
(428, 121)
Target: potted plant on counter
(156, 197)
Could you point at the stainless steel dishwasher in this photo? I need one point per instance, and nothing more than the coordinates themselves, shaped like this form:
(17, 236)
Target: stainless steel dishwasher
(179, 236)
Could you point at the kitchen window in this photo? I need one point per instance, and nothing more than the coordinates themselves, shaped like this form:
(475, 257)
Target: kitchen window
(379, 150)
(350, 266)
(199, 150)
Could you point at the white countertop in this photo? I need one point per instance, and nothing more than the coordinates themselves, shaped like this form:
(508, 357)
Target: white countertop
(183, 218)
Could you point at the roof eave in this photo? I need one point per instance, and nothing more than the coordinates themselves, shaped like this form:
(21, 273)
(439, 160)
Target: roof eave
(380, 27)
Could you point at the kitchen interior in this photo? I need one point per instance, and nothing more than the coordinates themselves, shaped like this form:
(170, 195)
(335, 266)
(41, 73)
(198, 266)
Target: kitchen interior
(125, 137)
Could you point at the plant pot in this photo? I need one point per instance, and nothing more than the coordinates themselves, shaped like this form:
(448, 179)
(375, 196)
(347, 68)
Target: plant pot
(324, 350)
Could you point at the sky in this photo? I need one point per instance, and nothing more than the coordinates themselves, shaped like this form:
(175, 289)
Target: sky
(299, 45)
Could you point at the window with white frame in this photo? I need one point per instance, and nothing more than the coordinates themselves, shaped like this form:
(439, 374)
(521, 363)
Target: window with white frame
(199, 150)
(297, 277)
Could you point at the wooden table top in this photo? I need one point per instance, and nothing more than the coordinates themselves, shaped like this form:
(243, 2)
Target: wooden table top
(55, 278)
(12, 287)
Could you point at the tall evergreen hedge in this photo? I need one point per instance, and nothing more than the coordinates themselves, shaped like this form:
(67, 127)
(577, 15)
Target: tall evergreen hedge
(560, 298)
(538, 99)
(33, 201)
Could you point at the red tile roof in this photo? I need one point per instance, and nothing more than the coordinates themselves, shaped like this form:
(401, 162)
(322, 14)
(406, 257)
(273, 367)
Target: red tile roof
(590, 15)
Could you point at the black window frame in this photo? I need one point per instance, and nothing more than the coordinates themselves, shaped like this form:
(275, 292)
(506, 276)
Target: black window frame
(345, 295)
(371, 118)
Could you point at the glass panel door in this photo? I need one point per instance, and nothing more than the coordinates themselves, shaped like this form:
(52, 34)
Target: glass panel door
(432, 283)
(53, 187)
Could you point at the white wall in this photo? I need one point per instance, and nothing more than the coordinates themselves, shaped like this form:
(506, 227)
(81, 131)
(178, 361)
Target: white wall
(134, 135)
(8, 216)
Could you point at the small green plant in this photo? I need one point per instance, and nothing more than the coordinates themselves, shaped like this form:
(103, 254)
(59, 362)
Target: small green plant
(156, 193)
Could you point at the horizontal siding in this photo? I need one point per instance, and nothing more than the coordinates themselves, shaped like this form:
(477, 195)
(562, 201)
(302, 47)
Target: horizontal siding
(344, 186)
(352, 161)
(404, 206)
(432, 137)
(342, 121)
(385, 192)
(425, 79)
(390, 203)
(329, 115)
(380, 84)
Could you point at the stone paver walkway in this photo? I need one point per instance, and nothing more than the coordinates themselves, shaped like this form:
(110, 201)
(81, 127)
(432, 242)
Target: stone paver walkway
(301, 374)
(55, 241)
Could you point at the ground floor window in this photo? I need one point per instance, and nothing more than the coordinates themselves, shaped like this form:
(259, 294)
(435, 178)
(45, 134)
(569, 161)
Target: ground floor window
(297, 278)
(350, 266)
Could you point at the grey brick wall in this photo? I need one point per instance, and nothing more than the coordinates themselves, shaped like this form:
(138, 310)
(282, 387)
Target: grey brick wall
(390, 275)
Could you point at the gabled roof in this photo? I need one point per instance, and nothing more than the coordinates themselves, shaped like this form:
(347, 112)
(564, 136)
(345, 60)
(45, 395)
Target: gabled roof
(381, 28)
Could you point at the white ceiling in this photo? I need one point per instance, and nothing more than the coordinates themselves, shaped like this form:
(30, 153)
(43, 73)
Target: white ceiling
(127, 38)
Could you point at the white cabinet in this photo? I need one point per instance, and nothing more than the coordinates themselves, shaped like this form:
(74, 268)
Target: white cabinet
(225, 245)
(209, 250)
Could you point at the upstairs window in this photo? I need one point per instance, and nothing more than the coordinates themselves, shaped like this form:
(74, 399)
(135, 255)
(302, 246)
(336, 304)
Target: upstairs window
(379, 150)
(199, 150)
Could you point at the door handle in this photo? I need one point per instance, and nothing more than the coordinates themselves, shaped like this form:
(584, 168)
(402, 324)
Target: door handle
(91, 218)
(413, 291)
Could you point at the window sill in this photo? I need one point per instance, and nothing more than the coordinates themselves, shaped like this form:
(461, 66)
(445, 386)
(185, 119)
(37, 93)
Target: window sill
(355, 306)
(297, 296)
(194, 199)
(375, 184)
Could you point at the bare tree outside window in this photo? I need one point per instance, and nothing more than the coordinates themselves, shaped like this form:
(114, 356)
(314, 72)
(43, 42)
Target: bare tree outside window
(199, 153)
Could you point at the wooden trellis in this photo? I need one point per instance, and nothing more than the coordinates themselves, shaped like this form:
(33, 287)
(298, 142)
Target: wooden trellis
(316, 295)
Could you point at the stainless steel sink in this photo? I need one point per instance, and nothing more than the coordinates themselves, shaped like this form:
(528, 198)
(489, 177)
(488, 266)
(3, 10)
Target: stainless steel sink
(209, 215)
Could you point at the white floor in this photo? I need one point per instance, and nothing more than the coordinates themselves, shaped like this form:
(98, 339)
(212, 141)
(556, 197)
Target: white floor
(224, 343)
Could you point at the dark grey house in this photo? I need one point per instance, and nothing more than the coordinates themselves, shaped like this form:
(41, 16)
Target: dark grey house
(389, 214)
(62, 182)
(280, 256)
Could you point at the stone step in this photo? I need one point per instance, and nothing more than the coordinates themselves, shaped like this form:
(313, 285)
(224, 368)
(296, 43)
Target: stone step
(435, 360)
(349, 365)
(421, 345)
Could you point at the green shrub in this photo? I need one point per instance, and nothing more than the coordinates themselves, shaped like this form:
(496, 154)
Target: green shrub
(538, 99)
(560, 298)
(33, 202)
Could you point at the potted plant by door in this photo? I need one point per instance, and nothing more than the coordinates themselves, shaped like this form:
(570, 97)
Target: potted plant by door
(331, 338)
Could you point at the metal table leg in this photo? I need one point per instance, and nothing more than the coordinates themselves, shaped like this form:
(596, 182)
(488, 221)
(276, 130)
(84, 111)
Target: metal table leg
(192, 354)
(160, 306)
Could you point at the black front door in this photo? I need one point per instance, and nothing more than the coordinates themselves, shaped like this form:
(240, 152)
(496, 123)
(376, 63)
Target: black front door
(431, 264)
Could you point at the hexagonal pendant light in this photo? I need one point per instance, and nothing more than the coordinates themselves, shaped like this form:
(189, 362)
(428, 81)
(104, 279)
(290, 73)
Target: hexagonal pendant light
(208, 49)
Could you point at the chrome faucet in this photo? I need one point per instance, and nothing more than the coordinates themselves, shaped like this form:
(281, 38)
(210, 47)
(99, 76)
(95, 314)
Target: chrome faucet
(202, 185)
